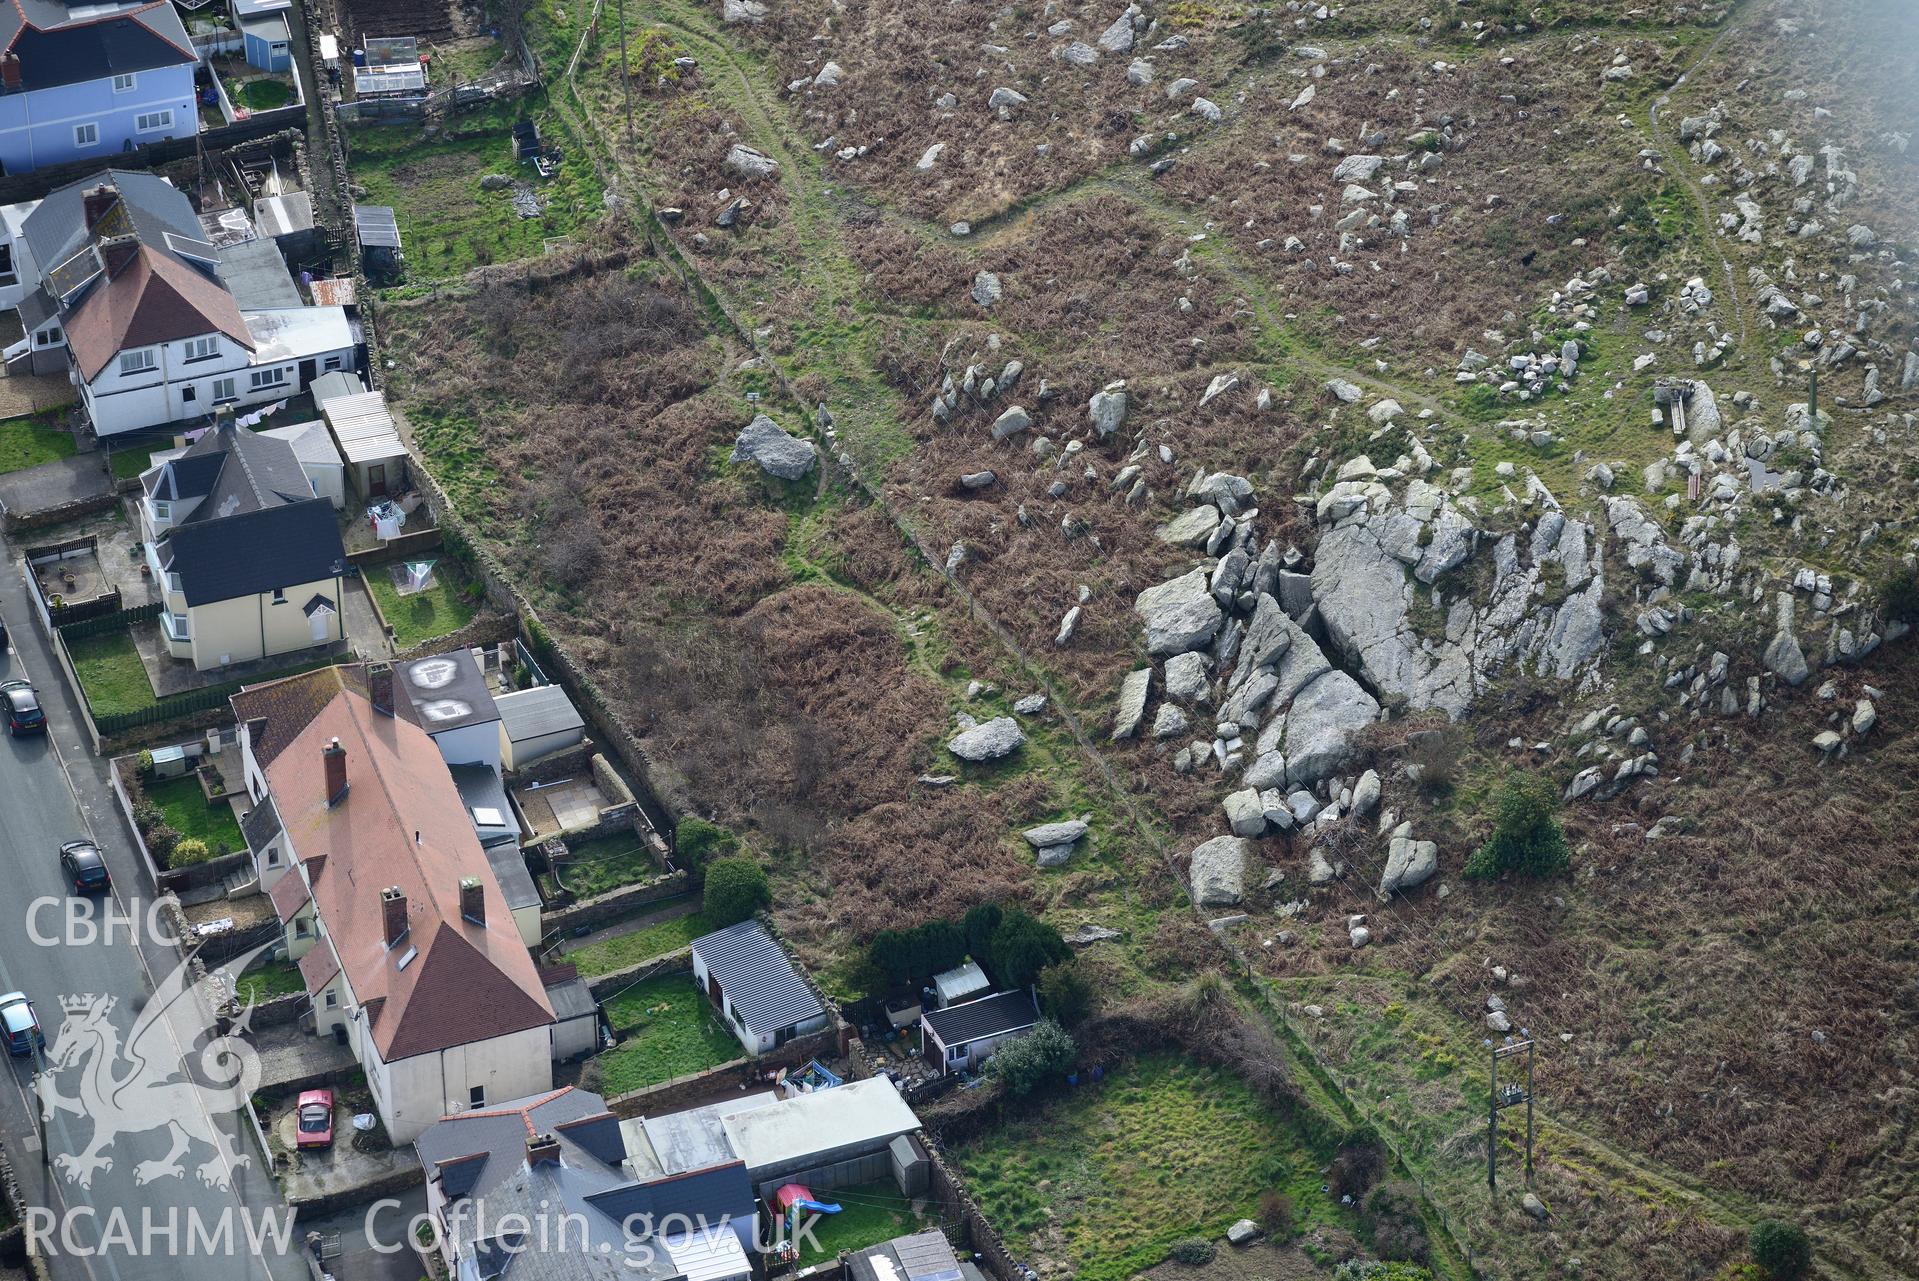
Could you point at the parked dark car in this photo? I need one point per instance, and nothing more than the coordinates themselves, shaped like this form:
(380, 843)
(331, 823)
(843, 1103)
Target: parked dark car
(23, 709)
(83, 866)
(20, 1024)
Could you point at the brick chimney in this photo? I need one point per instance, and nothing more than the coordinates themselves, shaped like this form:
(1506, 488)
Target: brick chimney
(334, 758)
(472, 900)
(542, 1148)
(393, 913)
(97, 202)
(10, 79)
(379, 687)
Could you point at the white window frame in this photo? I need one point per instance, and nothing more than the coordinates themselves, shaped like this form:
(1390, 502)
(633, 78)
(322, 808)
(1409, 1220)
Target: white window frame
(163, 120)
(142, 360)
(202, 348)
(87, 134)
(162, 509)
(222, 397)
(267, 379)
(126, 82)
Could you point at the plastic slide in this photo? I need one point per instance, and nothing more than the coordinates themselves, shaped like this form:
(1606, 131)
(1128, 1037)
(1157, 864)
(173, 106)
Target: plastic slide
(817, 1207)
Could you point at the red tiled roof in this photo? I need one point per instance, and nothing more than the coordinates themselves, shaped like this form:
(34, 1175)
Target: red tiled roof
(401, 823)
(318, 966)
(153, 299)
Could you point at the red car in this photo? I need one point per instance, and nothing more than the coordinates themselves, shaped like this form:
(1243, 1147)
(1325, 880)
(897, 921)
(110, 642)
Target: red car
(315, 1122)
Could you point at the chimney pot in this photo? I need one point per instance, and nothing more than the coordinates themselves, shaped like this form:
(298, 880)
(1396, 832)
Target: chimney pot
(542, 1148)
(472, 900)
(334, 757)
(97, 202)
(393, 913)
(379, 685)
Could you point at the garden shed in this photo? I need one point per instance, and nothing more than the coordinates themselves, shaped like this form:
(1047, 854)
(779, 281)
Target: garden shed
(962, 1037)
(760, 996)
(537, 722)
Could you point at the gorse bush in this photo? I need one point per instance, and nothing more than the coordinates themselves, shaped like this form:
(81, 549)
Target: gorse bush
(1025, 1063)
(735, 889)
(1781, 1249)
(1527, 838)
(1195, 1252)
(1065, 994)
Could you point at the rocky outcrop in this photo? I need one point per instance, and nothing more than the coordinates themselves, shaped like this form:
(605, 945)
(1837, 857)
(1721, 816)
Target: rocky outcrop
(1380, 567)
(1321, 723)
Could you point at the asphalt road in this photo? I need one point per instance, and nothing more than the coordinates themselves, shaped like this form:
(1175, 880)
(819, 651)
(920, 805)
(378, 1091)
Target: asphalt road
(54, 789)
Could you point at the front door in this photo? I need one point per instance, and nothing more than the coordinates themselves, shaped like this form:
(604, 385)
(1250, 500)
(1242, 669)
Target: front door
(713, 991)
(308, 370)
(322, 626)
(376, 480)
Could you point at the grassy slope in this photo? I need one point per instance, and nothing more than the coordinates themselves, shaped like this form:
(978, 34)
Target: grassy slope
(447, 223)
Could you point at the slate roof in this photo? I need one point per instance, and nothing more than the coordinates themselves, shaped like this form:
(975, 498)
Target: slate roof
(448, 691)
(142, 273)
(258, 526)
(482, 1156)
(261, 825)
(766, 991)
(449, 981)
(988, 1016)
(56, 48)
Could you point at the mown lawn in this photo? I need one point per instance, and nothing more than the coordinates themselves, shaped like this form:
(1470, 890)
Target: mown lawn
(606, 863)
(129, 463)
(110, 672)
(674, 1032)
(622, 950)
(869, 1214)
(1104, 1178)
(189, 814)
(264, 982)
(448, 224)
(30, 441)
(420, 616)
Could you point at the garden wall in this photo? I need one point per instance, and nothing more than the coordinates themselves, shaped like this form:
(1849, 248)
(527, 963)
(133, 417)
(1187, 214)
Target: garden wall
(981, 1237)
(614, 903)
(697, 1088)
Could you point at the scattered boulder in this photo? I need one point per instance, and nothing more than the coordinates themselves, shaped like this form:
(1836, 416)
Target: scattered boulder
(986, 289)
(1054, 834)
(1011, 423)
(1107, 409)
(1180, 615)
(1408, 862)
(743, 11)
(1245, 1232)
(777, 453)
(990, 741)
(1321, 723)
(1218, 872)
(1132, 703)
(748, 163)
(1186, 681)
(1190, 528)
(1245, 813)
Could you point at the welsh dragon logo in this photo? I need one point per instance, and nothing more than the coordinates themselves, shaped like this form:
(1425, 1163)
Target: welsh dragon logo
(139, 1085)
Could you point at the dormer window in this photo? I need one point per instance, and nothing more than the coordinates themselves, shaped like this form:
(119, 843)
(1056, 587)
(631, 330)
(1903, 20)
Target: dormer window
(125, 84)
(201, 349)
(138, 362)
(162, 510)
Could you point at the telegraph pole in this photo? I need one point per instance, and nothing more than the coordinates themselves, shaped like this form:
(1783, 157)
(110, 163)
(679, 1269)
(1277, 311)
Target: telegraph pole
(1510, 1095)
